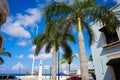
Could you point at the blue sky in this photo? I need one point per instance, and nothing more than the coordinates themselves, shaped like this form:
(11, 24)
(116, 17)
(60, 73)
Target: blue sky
(19, 30)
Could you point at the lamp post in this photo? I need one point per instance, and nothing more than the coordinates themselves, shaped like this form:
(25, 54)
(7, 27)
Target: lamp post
(33, 66)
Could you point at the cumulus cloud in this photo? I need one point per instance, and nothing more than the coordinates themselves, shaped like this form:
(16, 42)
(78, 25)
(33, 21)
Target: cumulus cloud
(42, 56)
(18, 66)
(33, 48)
(20, 57)
(41, 51)
(22, 43)
(73, 66)
(77, 55)
(3, 68)
(118, 1)
(36, 68)
(15, 30)
(66, 1)
(16, 25)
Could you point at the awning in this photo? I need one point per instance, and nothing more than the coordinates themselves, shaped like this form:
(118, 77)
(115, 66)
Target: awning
(113, 62)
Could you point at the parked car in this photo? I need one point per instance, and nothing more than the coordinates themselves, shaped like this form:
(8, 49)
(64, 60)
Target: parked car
(8, 77)
(75, 78)
(79, 77)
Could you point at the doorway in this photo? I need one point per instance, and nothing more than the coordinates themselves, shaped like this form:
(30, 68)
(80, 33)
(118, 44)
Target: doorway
(116, 68)
(115, 64)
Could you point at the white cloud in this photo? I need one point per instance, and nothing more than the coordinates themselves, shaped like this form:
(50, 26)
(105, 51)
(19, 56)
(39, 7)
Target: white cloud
(77, 55)
(42, 56)
(22, 43)
(41, 51)
(20, 57)
(18, 66)
(67, 1)
(33, 15)
(90, 65)
(3, 68)
(16, 25)
(33, 48)
(118, 1)
(15, 30)
(36, 68)
(72, 66)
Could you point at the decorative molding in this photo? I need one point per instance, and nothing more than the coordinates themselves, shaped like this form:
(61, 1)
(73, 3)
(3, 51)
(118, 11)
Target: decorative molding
(111, 45)
(113, 55)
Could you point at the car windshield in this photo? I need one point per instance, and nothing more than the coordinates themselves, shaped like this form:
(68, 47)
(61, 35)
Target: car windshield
(4, 77)
(0, 77)
(12, 77)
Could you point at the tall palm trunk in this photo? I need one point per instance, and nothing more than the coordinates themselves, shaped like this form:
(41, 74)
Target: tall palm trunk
(83, 60)
(54, 63)
(69, 69)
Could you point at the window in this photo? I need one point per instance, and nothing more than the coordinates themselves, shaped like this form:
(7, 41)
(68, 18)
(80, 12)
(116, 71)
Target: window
(109, 37)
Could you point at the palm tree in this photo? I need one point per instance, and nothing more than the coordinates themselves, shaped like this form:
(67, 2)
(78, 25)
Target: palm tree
(2, 53)
(79, 14)
(69, 60)
(91, 58)
(53, 37)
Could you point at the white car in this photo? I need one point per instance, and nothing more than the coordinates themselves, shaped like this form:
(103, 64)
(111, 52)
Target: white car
(8, 77)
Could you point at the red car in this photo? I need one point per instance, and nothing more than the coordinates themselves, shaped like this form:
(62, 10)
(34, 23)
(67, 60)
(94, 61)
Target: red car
(75, 78)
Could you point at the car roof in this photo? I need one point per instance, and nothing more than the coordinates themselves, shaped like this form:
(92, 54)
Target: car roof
(6, 75)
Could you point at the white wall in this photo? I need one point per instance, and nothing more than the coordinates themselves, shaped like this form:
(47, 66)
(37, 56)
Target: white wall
(102, 71)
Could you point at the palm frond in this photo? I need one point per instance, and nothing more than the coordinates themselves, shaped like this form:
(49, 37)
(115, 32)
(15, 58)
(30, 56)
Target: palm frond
(70, 37)
(48, 47)
(115, 7)
(90, 57)
(90, 33)
(40, 41)
(62, 61)
(74, 56)
(5, 54)
(67, 50)
(1, 61)
(57, 8)
(104, 15)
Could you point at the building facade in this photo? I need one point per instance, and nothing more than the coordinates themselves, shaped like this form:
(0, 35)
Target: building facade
(4, 10)
(106, 53)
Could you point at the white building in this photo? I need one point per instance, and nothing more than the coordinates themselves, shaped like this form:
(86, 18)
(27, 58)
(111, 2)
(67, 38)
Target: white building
(106, 53)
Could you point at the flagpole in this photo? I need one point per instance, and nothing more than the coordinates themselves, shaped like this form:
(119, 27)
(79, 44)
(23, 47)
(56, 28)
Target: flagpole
(32, 73)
